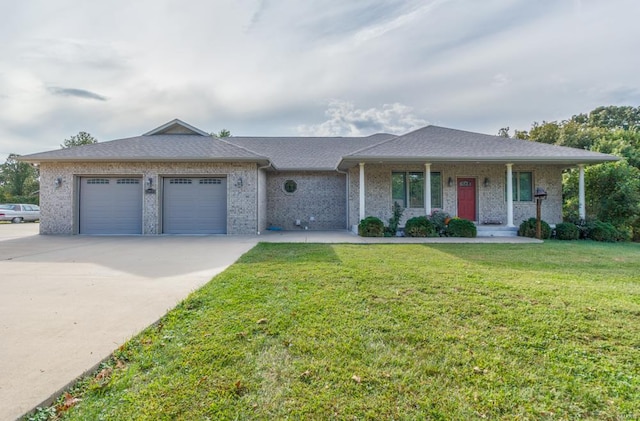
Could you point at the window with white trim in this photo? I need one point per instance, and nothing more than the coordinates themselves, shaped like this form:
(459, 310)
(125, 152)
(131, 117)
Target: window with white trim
(522, 182)
(407, 188)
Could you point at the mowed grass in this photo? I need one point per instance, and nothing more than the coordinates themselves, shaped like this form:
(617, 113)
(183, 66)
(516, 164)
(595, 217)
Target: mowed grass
(317, 331)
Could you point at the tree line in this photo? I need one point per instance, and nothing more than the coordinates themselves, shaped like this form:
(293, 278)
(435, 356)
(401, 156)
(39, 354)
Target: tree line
(613, 188)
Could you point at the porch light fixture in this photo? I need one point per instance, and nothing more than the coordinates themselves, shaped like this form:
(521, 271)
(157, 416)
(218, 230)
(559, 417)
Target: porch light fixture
(149, 182)
(450, 182)
(486, 182)
(239, 182)
(58, 182)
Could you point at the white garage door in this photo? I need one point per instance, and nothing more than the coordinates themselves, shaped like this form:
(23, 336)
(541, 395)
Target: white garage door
(194, 205)
(110, 205)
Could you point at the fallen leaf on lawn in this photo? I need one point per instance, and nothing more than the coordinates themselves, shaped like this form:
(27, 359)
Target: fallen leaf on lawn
(104, 373)
(120, 364)
(356, 378)
(306, 374)
(68, 403)
(262, 321)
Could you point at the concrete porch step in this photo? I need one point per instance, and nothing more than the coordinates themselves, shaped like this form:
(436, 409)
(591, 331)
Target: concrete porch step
(496, 231)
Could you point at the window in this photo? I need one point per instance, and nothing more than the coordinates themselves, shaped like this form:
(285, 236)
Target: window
(210, 181)
(522, 186)
(180, 181)
(128, 181)
(98, 181)
(407, 188)
(290, 186)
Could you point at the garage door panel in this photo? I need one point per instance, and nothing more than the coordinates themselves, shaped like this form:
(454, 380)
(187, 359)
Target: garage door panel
(196, 205)
(110, 205)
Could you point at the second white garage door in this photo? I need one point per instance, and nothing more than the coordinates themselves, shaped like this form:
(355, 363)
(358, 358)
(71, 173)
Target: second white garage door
(194, 205)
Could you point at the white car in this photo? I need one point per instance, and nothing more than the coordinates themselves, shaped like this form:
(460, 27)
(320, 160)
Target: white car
(17, 213)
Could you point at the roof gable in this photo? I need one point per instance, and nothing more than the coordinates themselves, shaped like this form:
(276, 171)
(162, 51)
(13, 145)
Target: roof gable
(176, 126)
(440, 144)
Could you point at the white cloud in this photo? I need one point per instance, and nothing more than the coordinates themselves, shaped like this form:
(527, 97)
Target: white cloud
(346, 120)
(267, 67)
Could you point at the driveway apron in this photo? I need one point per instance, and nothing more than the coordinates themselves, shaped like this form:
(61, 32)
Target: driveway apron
(67, 302)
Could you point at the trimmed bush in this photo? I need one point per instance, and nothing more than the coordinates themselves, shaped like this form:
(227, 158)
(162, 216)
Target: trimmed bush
(419, 226)
(602, 231)
(459, 227)
(439, 219)
(528, 229)
(371, 227)
(567, 231)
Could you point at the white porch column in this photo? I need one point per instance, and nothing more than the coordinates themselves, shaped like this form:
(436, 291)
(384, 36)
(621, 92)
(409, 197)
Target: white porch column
(510, 195)
(427, 188)
(361, 189)
(582, 210)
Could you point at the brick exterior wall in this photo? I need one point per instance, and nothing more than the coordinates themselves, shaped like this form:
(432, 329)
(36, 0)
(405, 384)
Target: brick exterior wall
(59, 204)
(491, 200)
(319, 194)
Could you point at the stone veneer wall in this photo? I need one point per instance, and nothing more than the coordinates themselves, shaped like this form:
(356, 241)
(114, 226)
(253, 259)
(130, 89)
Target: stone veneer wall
(59, 205)
(491, 200)
(262, 200)
(319, 194)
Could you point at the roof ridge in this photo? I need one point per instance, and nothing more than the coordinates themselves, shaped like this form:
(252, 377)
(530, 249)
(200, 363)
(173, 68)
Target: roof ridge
(374, 145)
(242, 148)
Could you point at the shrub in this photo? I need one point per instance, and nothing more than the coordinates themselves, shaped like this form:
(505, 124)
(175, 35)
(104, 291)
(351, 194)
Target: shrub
(602, 231)
(419, 226)
(528, 229)
(371, 227)
(461, 228)
(439, 219)
(567, 231)
(394, 221)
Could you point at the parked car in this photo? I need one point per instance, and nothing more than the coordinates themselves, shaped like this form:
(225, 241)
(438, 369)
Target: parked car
(19, 212)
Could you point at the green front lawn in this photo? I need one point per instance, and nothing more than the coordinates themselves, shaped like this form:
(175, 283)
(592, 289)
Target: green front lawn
(316, 331)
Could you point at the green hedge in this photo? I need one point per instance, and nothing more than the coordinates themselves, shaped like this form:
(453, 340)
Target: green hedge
(371, 227)
(567, 231)
(459, 227)
(419, 226)
(528, 229)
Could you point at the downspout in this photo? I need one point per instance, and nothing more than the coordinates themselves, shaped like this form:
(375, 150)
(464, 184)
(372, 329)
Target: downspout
(258, 194)
(346, 173)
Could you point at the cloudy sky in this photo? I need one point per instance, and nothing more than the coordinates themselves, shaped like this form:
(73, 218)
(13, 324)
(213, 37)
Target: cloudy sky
(315, 67)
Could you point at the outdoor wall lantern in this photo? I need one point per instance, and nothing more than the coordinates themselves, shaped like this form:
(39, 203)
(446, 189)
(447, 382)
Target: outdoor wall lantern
(450, 182)
(239, 182)
(149, 185)
(58, 182)
(486, 182)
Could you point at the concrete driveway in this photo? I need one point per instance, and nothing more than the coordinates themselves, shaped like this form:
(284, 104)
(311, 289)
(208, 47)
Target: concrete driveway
(67, 302)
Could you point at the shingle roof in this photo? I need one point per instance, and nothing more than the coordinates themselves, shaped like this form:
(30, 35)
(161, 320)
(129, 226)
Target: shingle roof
(161, 147)
(433, 143)
(429, 144)
(306, 153)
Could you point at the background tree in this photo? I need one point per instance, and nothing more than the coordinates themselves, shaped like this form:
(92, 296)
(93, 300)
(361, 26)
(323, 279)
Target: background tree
(223, 133)
(612, 189)
(18, 181)
(82, 138)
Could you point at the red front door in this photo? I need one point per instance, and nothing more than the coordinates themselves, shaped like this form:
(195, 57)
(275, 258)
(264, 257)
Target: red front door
(467, 198)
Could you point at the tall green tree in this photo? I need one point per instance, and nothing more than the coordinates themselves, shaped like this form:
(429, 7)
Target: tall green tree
(223, 133)
(18, 181)
(82, 138)
(612, 189)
